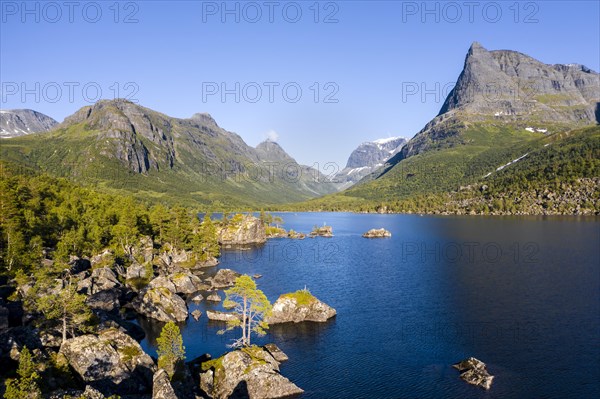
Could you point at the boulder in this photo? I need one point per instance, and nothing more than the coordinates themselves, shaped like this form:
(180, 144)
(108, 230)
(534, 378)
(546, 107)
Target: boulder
(221, 316)
(475, 372)
(161, 386)
(104, 300)
(249, 372)
(299, 306)
(186, 282)
(79, 265)
(111, 362)
(101, 279)
(197, 298)
(161, 304)
(223, 279)
(179, 283)
(247, 231)
(104, 257)
(377, 233)
(210, 262)
(137, 271)
(277, 353)
(197, 314)
(214, 297)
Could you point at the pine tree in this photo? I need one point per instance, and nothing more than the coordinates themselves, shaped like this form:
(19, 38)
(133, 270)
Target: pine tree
(251, 305)
(26, 385)
(171, 351)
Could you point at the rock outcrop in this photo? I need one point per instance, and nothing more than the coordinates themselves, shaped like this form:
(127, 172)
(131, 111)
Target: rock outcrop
(111, 362)
(161, 304)
(220, 316)
(377, 233)
(277, 353)
(102, 278)
(474, 372)
(298, 307)
(249, 372)
(161, 386)
(223, 279)
(325, 231)
(246, 232)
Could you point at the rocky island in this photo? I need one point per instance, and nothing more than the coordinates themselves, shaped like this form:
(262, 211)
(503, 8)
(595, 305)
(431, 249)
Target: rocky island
(299, 306)
(377, 233)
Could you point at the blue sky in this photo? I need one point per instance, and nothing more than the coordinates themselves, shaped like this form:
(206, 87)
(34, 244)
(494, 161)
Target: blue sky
(350, 60)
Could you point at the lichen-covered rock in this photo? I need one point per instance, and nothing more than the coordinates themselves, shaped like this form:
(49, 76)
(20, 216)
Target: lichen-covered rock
(299, 306)
(161, 304)
(474, 372)
(137, 271)
(242, 231)
(161, 386)
(249, 372)
(111, 362)
(223, 279)
(377, 233)
(179, 283)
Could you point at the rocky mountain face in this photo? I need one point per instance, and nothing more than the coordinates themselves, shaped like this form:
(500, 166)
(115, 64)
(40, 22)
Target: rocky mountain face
(20, 122)
(366, 158)
(122, 140)
(513, 89)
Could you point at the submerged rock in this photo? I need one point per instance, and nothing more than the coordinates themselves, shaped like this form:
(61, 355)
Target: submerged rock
(377, 233)
(474, 372)
(249, 372)
(299, 306)
(276, 352)
(111, 362)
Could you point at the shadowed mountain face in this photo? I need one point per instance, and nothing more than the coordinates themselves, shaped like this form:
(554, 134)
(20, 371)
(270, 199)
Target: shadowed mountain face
(119, 144)
(20, 122)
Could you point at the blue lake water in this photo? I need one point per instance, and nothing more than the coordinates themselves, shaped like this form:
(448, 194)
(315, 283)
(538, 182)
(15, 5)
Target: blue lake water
(521, 294)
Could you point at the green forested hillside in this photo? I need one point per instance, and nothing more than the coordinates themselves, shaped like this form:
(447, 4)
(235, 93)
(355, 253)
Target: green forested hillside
(562, 169)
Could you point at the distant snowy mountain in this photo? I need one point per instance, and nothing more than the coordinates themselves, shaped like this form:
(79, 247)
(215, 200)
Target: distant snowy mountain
(367, 158)
(20, 122)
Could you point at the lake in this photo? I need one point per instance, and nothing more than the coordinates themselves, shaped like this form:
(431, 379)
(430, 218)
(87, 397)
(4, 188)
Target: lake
(522, 294)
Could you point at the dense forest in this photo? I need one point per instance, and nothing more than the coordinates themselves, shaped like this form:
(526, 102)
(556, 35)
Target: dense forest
(43, 216)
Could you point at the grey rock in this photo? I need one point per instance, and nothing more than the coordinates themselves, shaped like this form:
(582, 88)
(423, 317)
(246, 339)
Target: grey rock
(224, 278)
(21, 122)
(161, 304)
(101, 279)
(474, 372)
(107, 300)
(111, 362)
(214, 297)
(288, 309)
(250, 231)
(220, 316)
(161, 386)
(377, 233)
(197, 314)
(197, 298)
(250, 372)
(277, 353)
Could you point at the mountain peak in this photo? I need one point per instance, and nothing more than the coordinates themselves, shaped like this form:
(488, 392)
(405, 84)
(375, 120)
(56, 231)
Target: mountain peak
(204, 117)
(20, 122)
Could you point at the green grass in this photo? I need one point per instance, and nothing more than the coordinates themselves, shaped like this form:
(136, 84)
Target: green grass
(302, 297)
